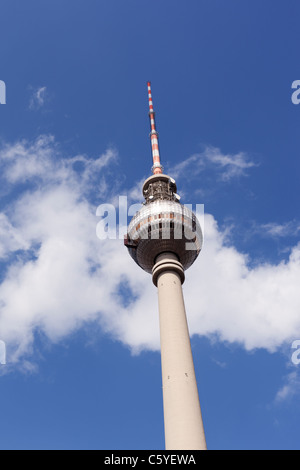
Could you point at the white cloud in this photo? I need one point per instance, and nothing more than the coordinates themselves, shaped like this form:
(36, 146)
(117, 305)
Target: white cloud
(56, 281)
(60, 275)
(258, 307)
(11, 240)
(21, 162)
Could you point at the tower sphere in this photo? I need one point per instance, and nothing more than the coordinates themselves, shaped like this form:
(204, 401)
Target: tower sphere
(163, 225)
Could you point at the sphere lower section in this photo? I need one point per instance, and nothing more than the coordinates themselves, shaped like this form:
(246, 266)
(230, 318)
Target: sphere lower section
(164, 226)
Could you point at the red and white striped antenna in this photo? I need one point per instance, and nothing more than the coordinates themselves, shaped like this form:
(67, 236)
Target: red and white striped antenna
(157, 167)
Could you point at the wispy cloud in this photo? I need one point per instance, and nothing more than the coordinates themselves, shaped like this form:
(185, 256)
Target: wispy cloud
(38, 98)
(289, 389)
(226, 166)
(221, 364)
(275, 230)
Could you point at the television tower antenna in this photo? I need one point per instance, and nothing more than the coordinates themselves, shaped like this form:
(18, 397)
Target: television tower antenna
(157, 167)
(164, 238)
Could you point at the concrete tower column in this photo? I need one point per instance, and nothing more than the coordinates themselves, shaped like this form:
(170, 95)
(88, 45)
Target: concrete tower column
(182, 413)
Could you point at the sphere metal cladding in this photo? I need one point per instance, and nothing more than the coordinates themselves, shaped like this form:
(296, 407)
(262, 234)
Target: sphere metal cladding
(164, 226)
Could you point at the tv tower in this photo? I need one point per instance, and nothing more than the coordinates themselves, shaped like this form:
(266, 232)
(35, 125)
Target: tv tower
(164, 238)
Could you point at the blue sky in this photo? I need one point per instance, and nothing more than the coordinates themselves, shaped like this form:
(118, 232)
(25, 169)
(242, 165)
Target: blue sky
(79, 319)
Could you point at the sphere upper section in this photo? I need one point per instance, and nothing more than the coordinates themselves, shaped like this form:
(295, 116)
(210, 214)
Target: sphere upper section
(164, 226)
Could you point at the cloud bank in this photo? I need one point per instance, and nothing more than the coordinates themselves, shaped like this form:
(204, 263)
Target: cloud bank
(56, 275)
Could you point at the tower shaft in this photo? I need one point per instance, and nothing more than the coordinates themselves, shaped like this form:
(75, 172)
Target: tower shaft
(182, 412)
